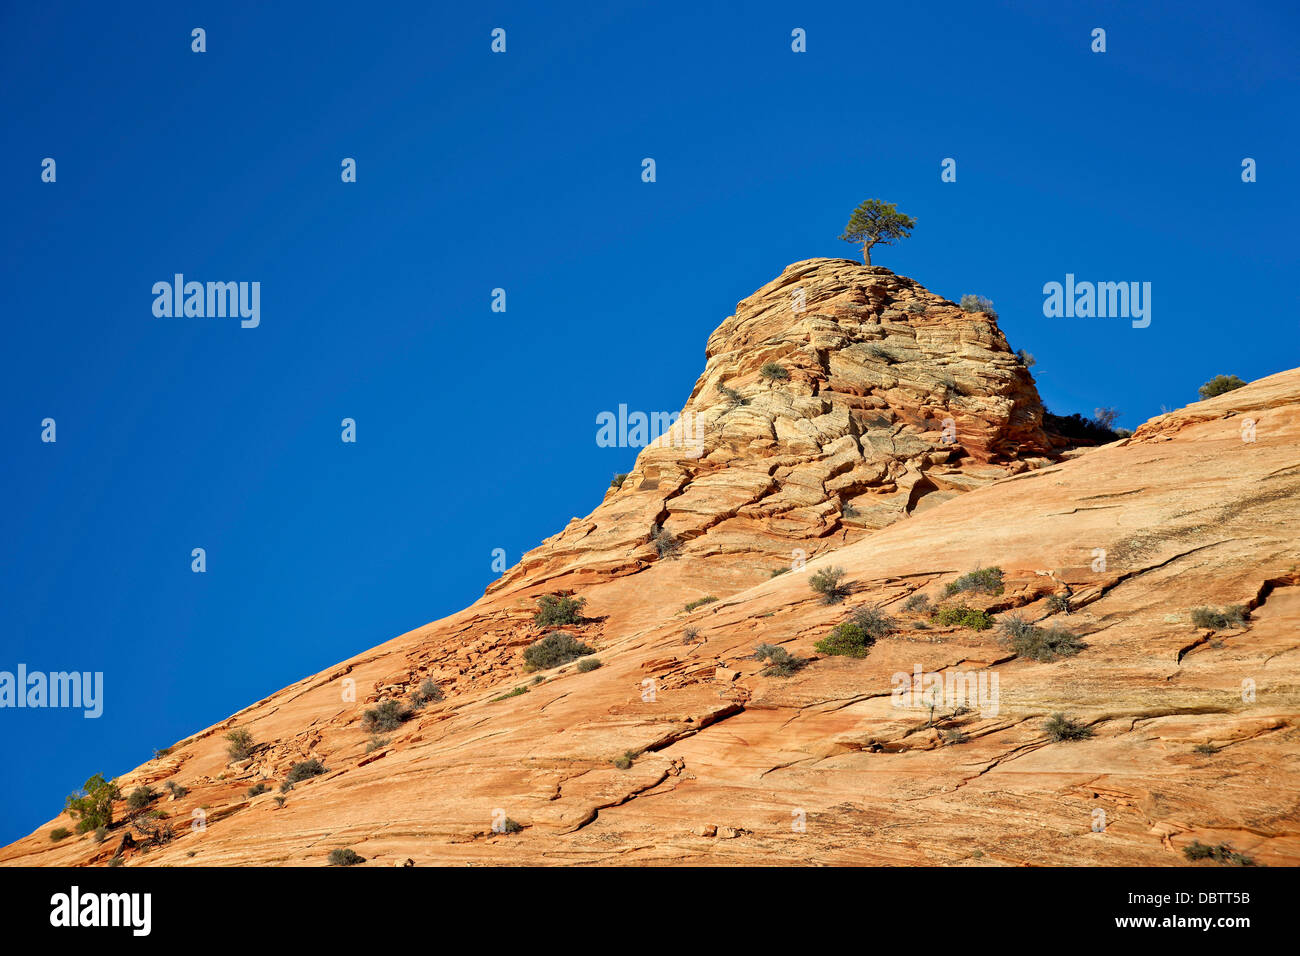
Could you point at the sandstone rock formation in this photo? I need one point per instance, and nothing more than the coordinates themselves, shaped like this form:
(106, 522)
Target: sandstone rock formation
(852, 441)
(678, 749)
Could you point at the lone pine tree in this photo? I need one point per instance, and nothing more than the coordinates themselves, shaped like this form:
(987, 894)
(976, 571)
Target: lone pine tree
(875, 222)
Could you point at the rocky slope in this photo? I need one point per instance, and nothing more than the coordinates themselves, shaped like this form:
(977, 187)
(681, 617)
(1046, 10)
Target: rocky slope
(680, 750)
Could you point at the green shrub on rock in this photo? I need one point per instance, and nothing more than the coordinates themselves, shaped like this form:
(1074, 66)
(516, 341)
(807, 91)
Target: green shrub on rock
(555, 649)
(557, 610)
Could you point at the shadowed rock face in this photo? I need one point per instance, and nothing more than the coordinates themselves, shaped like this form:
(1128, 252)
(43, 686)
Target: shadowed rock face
(1194, 728)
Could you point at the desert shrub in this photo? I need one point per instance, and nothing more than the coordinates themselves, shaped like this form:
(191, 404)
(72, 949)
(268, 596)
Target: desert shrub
(279, 800)
(874, 621)
(977, 303)
(732, 397)
(175, 789)
(140, 798)
(1059, 604)
(556, 610)
(1016, 628)
(915, 307)
(510, 826)
(624, 760)
(387, 715)
(304, 770)
(345, 856)
(1207, 749)
(1077, 428)
(257, 789)
(1040, 643)
(588, 664)
(376, 742)
(101, 834)
(954, 736)
(780, 571)
(780, 662)
(856, 636)
(617, 480)
(981, 580)
(59, 833)
(1025, 358)
(1059, 727)
(428, 693)
(829, 583)
(1196, 850)
(1230, 617)
(93, 806)
(554, 650)
(692, 605)
(153, 831)
(521, 689)
(846, 640)
(917, 604)
(1220, 384)
(1055, 642)
(960, 615)
(690, 634)
(241, 744)
(848, 510)
(666, 544)
(773, 372)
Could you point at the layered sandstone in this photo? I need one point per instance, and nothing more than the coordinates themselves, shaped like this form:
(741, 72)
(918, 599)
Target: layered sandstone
(1194, 730)
(758, 473)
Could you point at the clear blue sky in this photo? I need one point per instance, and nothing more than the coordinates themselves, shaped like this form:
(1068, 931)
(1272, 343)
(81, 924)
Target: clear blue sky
(476, 430)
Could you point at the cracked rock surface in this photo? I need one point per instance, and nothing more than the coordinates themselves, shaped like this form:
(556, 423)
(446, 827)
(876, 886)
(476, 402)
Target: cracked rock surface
(679, 750)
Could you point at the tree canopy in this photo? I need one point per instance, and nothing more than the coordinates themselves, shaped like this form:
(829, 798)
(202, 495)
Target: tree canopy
(876, 222)
(93, 806)
(1220, 384)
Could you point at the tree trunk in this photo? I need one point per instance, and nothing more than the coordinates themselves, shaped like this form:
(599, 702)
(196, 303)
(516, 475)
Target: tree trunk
(866, 253)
